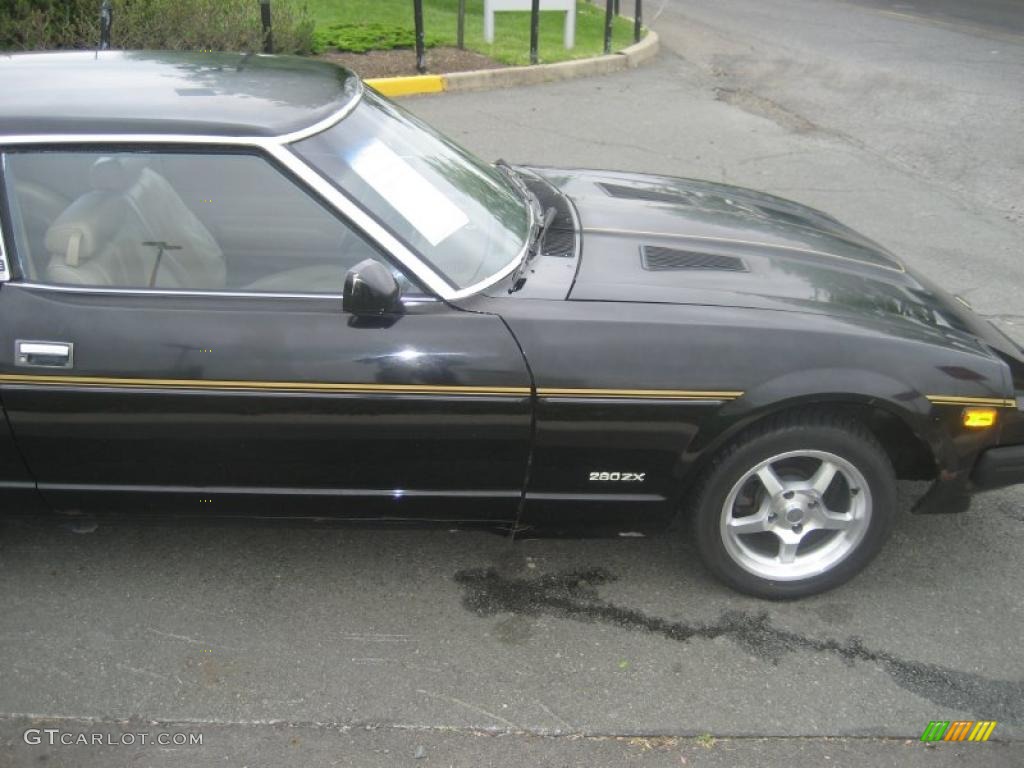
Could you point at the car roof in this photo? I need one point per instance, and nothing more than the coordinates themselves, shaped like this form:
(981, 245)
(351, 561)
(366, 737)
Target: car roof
(168, 92)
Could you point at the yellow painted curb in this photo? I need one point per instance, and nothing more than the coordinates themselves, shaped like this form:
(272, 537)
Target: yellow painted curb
(507, 77)
(407, 86)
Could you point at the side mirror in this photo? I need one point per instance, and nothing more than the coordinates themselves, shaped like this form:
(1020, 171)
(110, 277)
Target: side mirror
(370, 289)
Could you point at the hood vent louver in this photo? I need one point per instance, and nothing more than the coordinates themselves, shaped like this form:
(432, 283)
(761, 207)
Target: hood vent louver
(559, 242)
(639, 193)
(655, 258)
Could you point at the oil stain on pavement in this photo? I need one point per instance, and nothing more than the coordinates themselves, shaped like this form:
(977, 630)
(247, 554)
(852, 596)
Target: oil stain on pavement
(573, 595)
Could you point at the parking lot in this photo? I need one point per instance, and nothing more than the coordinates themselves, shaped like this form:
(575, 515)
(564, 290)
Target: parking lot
(330, 645)
(232, 630)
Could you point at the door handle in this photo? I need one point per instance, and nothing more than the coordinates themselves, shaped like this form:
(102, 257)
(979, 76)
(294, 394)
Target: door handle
(44, 354)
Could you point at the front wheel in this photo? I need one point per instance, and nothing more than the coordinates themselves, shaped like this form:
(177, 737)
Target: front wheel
(795, 506)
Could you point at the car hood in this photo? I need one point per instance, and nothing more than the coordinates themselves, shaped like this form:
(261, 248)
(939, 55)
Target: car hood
(668, 240)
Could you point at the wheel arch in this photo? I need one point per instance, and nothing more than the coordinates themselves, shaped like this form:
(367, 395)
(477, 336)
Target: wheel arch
(896, 414)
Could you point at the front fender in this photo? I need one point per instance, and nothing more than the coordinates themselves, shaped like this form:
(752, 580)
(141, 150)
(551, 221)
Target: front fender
(830, 386)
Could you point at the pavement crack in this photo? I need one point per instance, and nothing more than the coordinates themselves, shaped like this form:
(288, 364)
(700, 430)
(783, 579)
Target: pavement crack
(568, 726)
(573, 595)
(471, 707)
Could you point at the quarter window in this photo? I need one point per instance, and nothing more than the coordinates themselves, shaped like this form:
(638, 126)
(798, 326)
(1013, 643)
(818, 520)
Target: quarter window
(206, 222)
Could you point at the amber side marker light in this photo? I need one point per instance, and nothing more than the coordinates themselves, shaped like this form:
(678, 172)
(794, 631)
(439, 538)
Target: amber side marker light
(979, 418)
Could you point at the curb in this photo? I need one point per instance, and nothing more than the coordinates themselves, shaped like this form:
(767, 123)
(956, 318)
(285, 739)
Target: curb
(485, 79)
(407, 86)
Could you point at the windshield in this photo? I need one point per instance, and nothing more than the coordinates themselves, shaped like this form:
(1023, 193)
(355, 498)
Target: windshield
(462, 216)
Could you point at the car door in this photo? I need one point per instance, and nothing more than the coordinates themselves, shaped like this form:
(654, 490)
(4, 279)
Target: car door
(16, 484)
(175, 341)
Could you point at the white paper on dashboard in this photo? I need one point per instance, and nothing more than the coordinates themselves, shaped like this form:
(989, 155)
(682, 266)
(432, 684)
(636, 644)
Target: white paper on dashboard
(417, 200)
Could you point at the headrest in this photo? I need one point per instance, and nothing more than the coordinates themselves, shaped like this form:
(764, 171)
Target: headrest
(116, 173)
(85, 226)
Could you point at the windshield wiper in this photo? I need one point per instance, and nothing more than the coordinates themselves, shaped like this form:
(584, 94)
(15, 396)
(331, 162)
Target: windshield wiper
(528, 197)
(540, 221)
(542, 227)
(532, 247)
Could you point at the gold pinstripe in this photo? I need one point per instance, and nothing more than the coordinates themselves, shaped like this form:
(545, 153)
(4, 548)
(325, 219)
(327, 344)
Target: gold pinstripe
(995, 402)
(397, 389)
(231, 384)
(431, 389)
(641, 394)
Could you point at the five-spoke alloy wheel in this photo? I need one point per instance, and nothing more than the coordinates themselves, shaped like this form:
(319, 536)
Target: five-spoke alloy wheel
(795, 506)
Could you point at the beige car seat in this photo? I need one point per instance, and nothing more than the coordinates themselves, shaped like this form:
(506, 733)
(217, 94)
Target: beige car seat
(108, 236)
(100, 239)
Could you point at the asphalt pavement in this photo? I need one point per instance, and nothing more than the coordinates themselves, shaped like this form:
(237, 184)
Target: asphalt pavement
(990, 16)
(331, 646)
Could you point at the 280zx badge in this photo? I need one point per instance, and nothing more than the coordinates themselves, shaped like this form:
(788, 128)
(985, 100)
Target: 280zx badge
(618, 477)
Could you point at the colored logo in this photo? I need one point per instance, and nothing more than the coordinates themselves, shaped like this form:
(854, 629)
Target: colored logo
(958, 730)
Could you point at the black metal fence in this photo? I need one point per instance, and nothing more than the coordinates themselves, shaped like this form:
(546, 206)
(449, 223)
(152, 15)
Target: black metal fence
(612, 10)
(106, 22)
(268, 27)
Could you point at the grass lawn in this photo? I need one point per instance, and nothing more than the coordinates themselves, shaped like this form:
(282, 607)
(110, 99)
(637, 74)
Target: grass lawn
(386, 20)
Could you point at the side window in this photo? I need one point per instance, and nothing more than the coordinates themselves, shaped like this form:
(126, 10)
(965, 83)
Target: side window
(217, 222)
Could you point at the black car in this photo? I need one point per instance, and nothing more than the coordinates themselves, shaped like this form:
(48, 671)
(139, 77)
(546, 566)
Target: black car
(247, 285)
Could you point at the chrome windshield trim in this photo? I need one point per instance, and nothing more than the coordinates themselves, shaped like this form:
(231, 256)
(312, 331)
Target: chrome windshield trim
(505, 271)
(508, 269)
(342, 203)
(432, 278)
(463, 293)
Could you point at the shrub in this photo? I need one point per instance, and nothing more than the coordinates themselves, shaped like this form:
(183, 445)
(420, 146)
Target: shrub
(156, 24)
(367, 36)
(232, 25)
(27, 24)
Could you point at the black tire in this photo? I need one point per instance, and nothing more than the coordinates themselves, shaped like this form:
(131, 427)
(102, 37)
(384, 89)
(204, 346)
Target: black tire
(811, 431)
